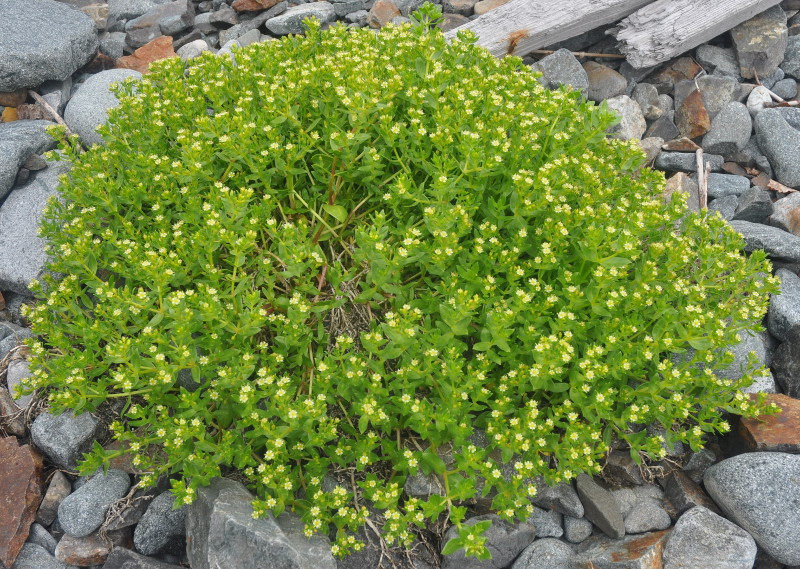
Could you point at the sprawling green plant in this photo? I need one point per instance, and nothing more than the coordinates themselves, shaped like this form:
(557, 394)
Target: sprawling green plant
(350, 251)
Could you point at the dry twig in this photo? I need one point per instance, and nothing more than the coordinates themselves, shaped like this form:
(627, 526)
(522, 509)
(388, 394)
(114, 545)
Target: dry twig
(703, 170)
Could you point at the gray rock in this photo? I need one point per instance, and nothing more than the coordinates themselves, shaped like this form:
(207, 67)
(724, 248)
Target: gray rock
(748, 344)
(22, 250)
(40, 536)
(716, 92)
(561, 68)
(42, 40)
(561, 497)
(770, 80)
(718, 60)
(683, 493)
(779, 245)
(88, 108)
(664, 126)
(170, 18)
(760, 43)
(546, 522)
(625, 499)
(113, 44)
(647, 97)
(344, 8)
(58, 489)
(632, 124)
(221, 532)
(760, 491)
(757, 100)
(726, 206)
(424, 485)
(786, 363)
(784, 307)
(160, 525)
(687, 162)
(698, 462)
(780, 143)
(84, 510)
(192, 49)
(18, 141)
(754, 205)
(785, 89)
(720, 185)
(463, 7)
(291, 21)
(34, 556)
(701, 538)
(791, 59)
(786, 213)
(545, 553)
(121, 558)
(65, 438)
(600, 507)
(358, 18)
(730, 130)
(647, 515)
(407, 7)
(17, 372)
(123, 10)
(13, 340)
(577, 529)
(505, 541)
(762, 384)
(604, 82)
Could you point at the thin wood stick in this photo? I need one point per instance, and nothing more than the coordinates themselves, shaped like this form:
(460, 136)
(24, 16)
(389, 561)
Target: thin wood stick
(39, 99)
(578, 53)
(702, 180)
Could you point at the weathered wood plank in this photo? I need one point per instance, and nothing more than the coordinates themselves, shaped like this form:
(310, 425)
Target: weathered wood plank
(524, 25)
(667, 28)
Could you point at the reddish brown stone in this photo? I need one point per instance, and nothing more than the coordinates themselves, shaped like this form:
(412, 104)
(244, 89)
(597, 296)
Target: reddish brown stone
(253, 5)
(20, 494)
(631, 552)
(140, 60)
(382, 13)
(680, 145)
(691, 118)
(93, 549)
(59, 489)
(683, 69)
(773, 433)
(9, 114)
(13, 99)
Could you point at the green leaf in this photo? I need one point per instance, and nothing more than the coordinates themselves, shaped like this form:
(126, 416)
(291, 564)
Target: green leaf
(482, 346)
(700, 343)
(453, 545)
(615, 262)
(336, 211)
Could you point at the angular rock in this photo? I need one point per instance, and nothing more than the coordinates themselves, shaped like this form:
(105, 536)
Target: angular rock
(160, 525)
(663, 127)
(754, 205)
(561, 68)
(687, 162)
(632, 124)
(92, 549)
(773, 433)
(701, 538)
(545, 553)
(730, 130)
(780, 143)
(599, 506)
(720, 185)
(786, 213)
(632, 552)
(577, 529)
(193, 49)
(683, 493)
(680, 182)
(83, 511)
(504, 540)
(683, 69)
(291, 21)
(42, 40)
(646, 96)
(604, 82)
(784, 308)
(759, 492)
(35, 556)
(786, 362)
(546, 522)
(121, 558)
(253, 5)
(791, 59)
(715, 92)
(221, 532)
(170, 18)
(88, 107)
(760, 43)
(620, 469)
(726, 206)
(140, 60)
(748, 344)
(65, 438)
(698, 462)
(20, 494)
(561, 497)
(16, 373)
(407, 7)
(647, 515)
(463, 7)
(778, 244)
(691, 116)
(625, 499)
(58, 489)
(18, 141)
(718, 60)
(652, 148)
(40, 536)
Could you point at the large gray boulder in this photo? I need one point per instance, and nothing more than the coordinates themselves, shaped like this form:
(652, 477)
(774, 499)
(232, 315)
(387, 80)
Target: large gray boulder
(760, 492)
(704, 539)
(22, 251)
(291, 21)
(221, 532)
(88, 107)
(760, 43)
(561, 68)
(42, 40)
(780, 245)
(18, 140)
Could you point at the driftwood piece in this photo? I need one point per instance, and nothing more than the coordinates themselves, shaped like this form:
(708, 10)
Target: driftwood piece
(524, 25)
(667, 28)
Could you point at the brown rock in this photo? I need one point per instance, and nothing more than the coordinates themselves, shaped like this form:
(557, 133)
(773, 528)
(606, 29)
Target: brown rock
(604, 82)
(632, 552)
(680, 145)
(140, 60)
(683, 493)
(93, 549)
(20, 494)
(98, 13)
(253, 5)
(2, 302)
(683, 69)
(33, 112)
(13, 99)
(382, 13)
(485, 5)
(99, 63)
(10, 416)
(59, 489)
(9, 114)
(761, 179)
(734, 168)
(773, 433)
(681, 182)
(692, 118)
